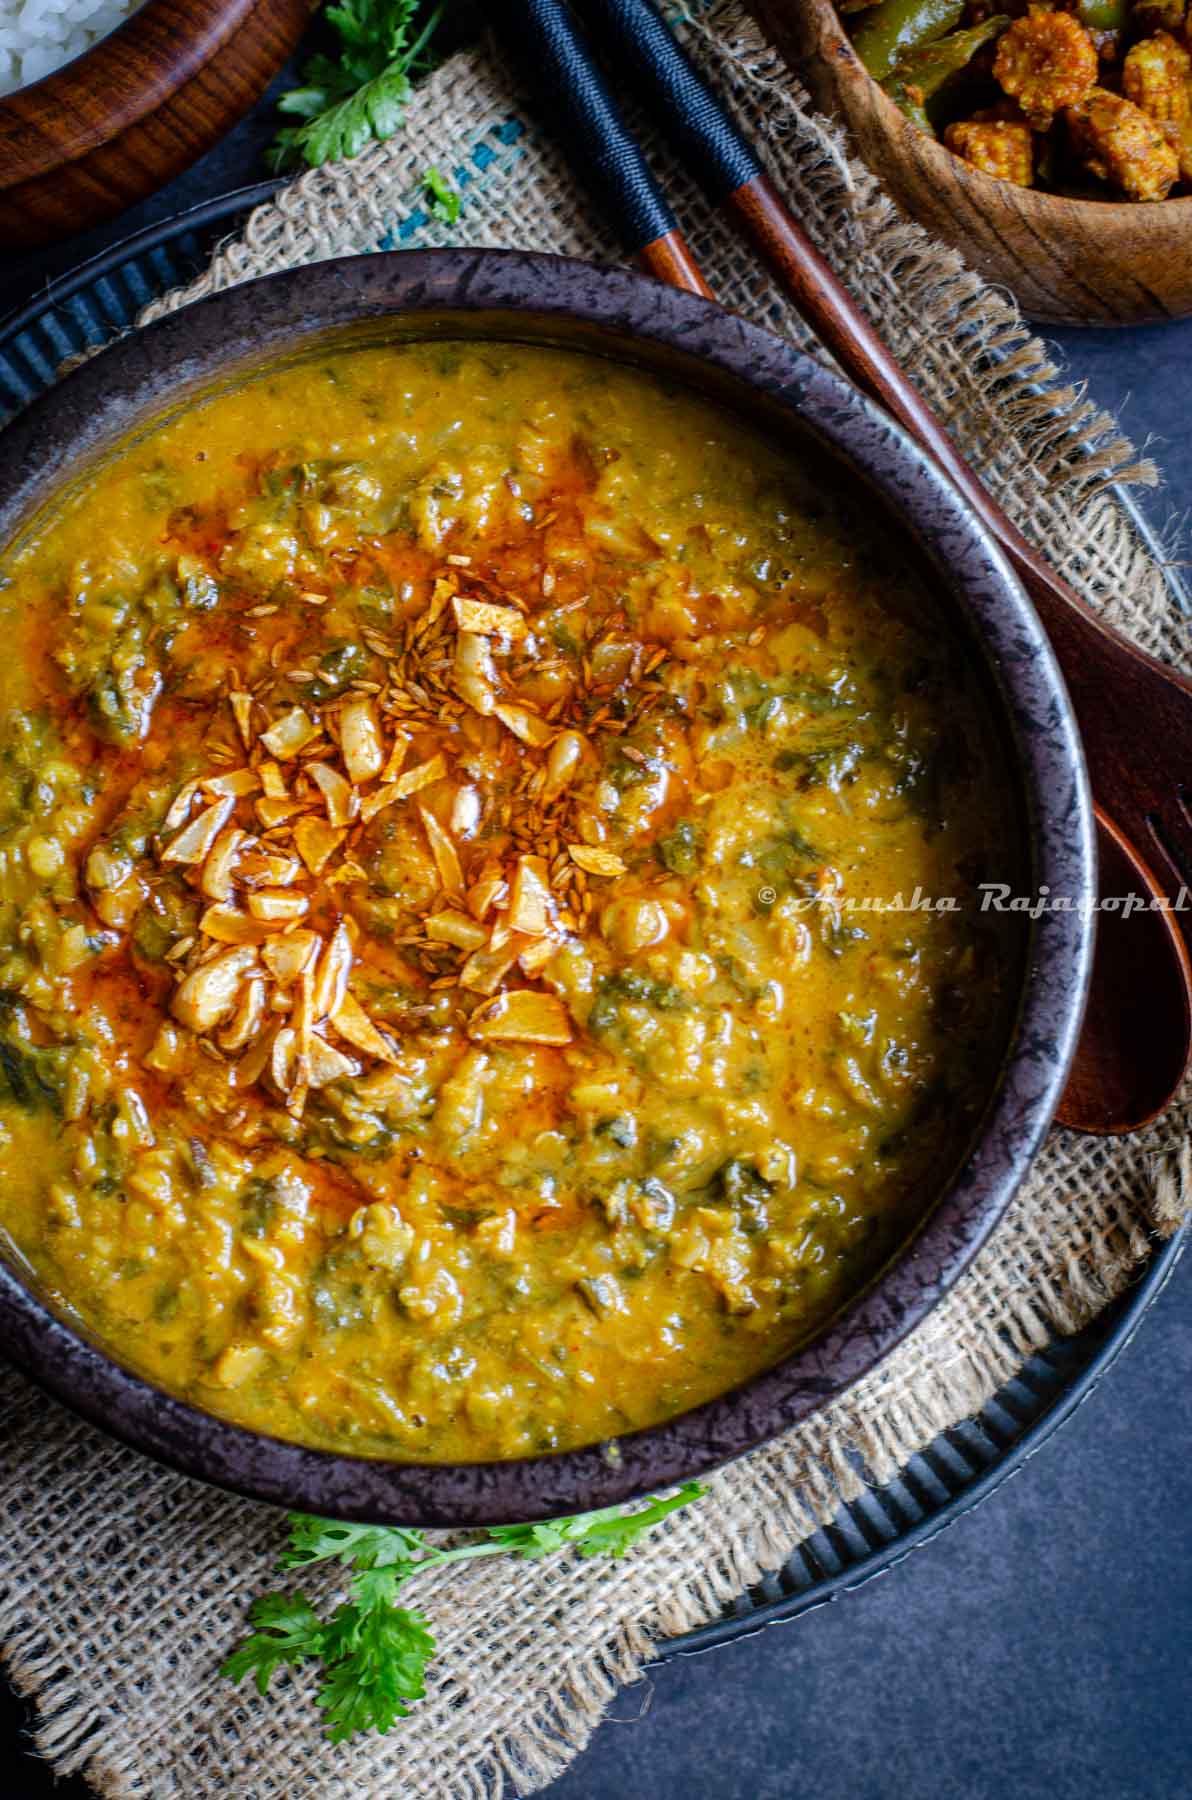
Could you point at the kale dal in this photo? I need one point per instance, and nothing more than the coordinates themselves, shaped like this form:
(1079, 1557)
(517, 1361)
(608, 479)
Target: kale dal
(450, 802)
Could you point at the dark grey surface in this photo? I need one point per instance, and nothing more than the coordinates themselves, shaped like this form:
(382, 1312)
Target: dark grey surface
(1035, 1651)
(1039, 1649)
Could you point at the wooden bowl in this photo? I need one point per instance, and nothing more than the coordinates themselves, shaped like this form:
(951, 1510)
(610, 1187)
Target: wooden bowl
(129, 114)
(1072, 262)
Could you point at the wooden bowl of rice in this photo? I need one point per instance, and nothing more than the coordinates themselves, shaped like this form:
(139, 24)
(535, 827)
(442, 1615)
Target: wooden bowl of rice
(103, 101)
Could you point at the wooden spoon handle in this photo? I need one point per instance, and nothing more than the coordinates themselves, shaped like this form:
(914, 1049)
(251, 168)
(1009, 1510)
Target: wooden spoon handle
(1128, 1062)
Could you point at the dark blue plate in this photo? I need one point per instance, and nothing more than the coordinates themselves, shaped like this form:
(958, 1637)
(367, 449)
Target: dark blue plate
(102, 298)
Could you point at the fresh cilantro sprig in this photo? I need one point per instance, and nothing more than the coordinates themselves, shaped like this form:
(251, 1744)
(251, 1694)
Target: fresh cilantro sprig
(360, 92)
(374, 1653)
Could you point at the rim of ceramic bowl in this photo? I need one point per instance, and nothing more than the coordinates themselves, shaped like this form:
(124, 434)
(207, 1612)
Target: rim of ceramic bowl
(612, 312)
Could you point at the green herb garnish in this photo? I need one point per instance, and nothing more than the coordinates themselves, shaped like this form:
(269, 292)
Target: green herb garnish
(444, 201)
(375, 1653)
(359, 93)
(680, 850)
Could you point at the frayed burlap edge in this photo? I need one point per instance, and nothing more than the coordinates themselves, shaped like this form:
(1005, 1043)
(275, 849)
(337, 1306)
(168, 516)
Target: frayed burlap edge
(119, 1645)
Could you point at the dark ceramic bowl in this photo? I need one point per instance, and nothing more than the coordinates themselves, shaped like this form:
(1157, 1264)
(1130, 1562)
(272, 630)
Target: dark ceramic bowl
(535, 299)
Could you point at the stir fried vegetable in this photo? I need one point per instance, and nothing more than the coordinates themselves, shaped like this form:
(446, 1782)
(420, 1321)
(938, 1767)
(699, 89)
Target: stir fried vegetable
(1091, 97)
(896, 29)
(923, 74)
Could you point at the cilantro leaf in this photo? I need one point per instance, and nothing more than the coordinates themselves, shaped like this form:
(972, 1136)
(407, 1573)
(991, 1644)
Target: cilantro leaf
(309, 101)
(374, 1656)
(333, 1540)
(609, 1532)
(445, 201)
(373, 111)
(531, 1541)
(359, 93)
(613, 1531)
(374, 1653)
(288, 1631)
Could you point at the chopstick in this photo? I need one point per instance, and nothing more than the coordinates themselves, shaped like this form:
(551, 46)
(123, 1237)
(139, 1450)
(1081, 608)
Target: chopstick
(598, 142)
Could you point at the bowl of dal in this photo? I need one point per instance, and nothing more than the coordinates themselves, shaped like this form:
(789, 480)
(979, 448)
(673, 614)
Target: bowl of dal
(513, 782)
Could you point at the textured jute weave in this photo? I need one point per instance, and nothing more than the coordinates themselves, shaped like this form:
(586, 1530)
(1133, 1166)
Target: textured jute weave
(122, 1585)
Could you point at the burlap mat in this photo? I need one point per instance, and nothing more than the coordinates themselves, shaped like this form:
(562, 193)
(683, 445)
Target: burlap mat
(121, 1585)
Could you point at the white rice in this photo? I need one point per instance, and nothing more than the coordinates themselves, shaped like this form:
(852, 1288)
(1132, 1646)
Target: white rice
(38, 36)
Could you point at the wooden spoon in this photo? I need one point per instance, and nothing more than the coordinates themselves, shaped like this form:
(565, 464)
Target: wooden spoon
(1129, 1061)
(1122, 1077)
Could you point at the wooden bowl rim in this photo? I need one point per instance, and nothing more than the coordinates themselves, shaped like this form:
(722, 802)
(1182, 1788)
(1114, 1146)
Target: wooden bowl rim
(118, 65)
(824, 18)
